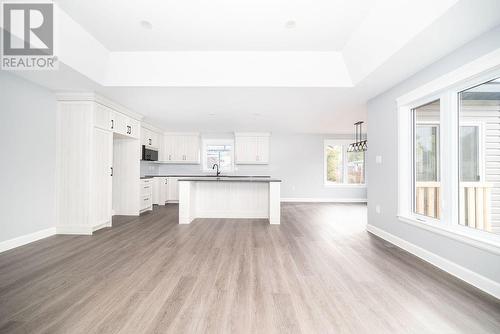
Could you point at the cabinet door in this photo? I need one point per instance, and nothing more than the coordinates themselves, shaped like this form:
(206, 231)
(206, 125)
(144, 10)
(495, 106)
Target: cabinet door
(246, 150)
(145, 136)
(167, 148)
(163, 190)
(102, 173)
(263, 150)
(156, 190)
(192, 149)
(102, 117)
(120, 123)
(133, 128)
(155, 140)
(173, 189)
(179, 148)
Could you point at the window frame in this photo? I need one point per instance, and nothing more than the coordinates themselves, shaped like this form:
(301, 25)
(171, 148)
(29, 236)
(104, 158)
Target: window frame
(345, 144)
(447, 89)
(418, 216)
(216, 141)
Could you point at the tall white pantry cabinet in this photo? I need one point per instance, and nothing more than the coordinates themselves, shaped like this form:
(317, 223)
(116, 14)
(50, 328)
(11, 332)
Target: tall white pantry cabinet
(98, 153)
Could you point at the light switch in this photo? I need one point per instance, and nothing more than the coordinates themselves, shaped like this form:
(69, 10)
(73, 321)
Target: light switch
(378, 159)
(377, 209)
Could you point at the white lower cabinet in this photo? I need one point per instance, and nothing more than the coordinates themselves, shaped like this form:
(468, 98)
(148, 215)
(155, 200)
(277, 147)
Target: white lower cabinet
(173, 189)
(160, 190)
(146, 199)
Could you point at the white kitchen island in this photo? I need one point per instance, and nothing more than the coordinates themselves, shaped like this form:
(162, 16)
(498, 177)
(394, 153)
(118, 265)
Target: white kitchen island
(229, 197)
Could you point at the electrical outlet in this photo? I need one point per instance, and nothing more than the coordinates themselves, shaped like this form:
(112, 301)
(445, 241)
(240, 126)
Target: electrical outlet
(378, 209)
(378, 159)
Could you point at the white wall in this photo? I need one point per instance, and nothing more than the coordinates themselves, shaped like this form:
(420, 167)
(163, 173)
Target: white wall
(27, 171)
(297, 159)
(382, 184)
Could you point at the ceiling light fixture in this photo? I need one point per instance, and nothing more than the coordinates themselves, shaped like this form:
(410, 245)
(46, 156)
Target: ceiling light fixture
(290, 24)
(360, 144)
(146, 25)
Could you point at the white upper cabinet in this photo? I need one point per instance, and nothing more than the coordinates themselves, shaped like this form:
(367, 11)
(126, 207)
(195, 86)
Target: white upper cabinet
(150, 138)
(102, 117)
(183, 148)
(251, 148)
(108, 119)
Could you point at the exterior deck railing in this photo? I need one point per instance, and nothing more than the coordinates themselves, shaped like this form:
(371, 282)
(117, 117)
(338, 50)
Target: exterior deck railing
(474, 202)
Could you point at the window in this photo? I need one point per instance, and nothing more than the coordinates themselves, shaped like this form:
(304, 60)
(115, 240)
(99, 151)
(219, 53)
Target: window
(426, 160)
(220, 152)
(469, 153)
(449, 156)
(342, 167)
(479, 107)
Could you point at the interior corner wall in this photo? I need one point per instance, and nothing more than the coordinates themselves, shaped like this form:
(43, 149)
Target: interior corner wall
(28, 157)
(382, 178)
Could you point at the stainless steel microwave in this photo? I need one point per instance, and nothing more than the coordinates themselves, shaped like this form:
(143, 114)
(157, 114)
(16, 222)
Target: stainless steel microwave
(149, 154)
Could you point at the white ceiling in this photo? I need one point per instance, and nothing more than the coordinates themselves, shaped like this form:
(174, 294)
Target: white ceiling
(257, 25)
(190, 73)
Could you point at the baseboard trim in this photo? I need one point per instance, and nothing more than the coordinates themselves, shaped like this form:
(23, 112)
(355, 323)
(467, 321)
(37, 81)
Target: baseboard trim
(482, 283)
(322, 200)
(80, 230)
(26, 239)
(103, 225)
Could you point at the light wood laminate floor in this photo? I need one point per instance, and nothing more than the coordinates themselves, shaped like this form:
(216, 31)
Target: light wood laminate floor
(318, 272)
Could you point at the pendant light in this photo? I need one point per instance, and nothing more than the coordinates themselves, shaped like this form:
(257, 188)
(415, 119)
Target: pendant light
(359, 144)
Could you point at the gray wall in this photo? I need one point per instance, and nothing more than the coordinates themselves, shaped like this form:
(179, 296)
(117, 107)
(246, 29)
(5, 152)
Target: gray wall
(27, 171)
(297, 159)
(382, 184)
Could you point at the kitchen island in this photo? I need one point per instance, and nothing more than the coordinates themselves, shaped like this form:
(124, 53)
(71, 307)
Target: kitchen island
(229, 197)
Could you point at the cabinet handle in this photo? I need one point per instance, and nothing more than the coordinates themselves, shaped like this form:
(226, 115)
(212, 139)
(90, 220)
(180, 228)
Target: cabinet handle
(170, 157)
(257, 157)
(150, 141)
(129, 129)
(111, 171)
(112, 124)
(146, 199)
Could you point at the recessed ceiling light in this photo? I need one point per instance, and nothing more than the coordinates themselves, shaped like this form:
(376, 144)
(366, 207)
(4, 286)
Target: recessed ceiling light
(211, 114)
(256, 114)
(146, 25)
(290, 24)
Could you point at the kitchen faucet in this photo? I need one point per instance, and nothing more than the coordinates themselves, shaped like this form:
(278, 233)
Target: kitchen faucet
(216, 166)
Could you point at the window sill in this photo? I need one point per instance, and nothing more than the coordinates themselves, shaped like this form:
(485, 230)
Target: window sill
(483, 243)
(344, 185)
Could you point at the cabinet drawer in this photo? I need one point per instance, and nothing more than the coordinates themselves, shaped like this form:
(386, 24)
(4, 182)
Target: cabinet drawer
(146, 202)
(146, 189)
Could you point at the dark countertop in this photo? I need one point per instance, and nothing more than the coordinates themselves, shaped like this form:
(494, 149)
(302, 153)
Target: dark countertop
(202, 175)
(231, 179)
